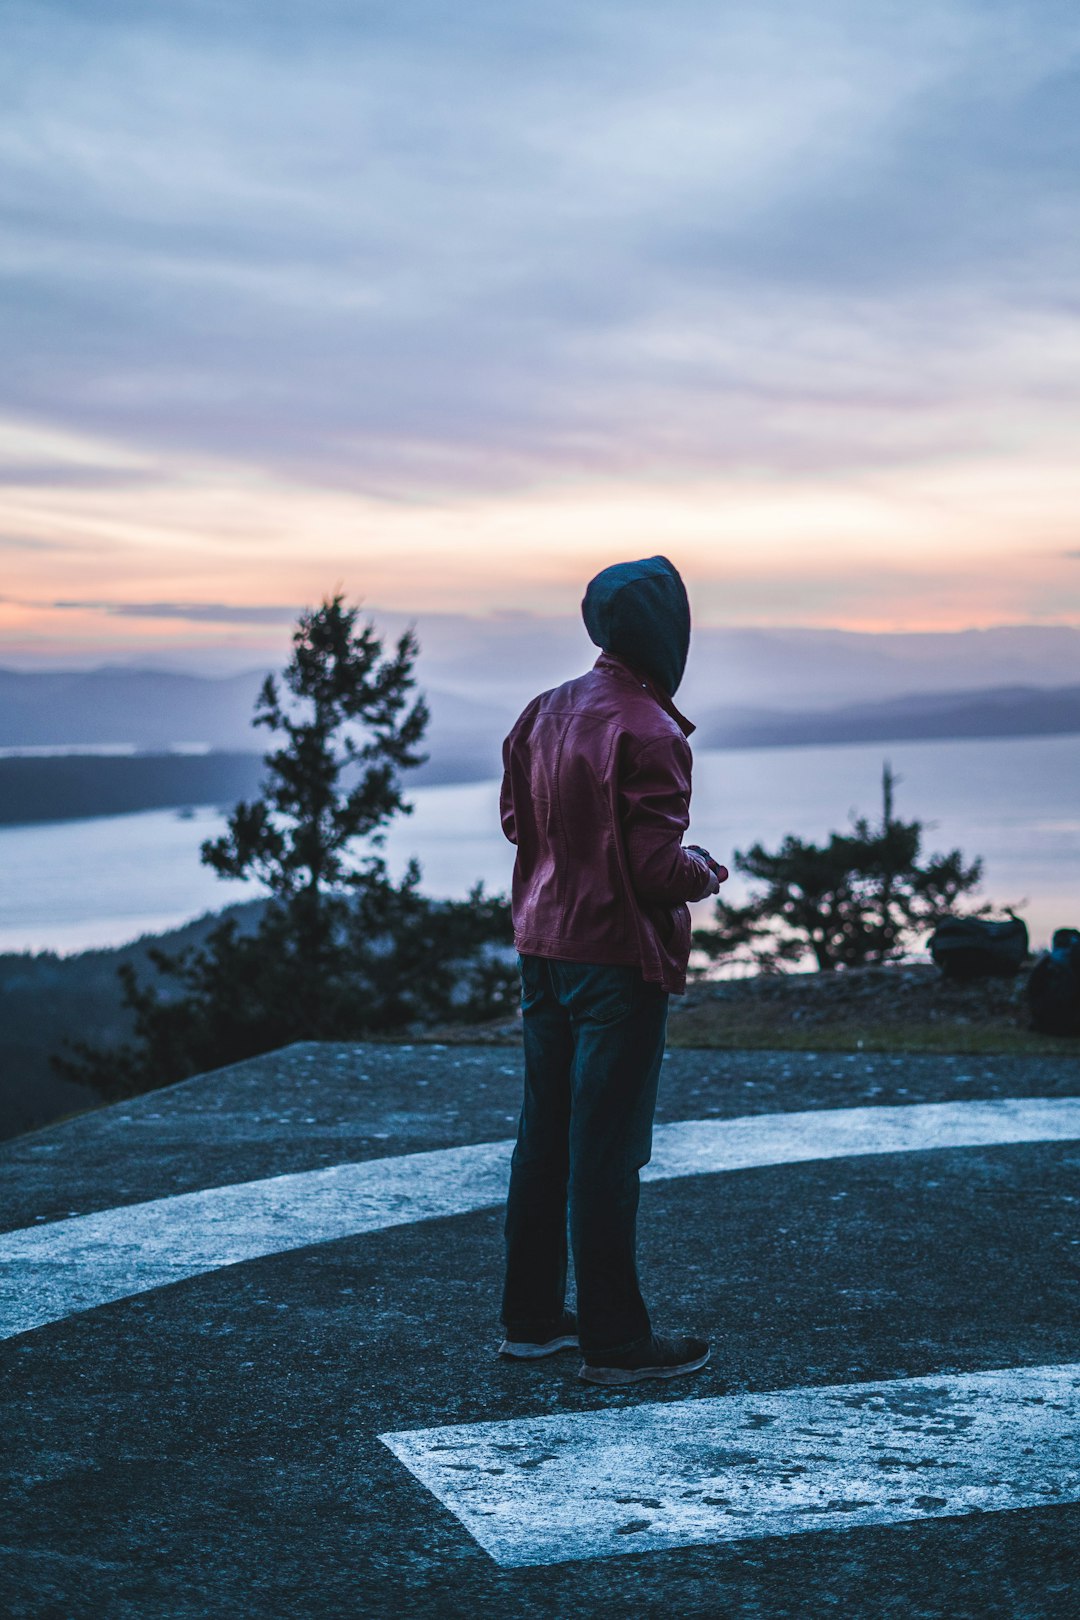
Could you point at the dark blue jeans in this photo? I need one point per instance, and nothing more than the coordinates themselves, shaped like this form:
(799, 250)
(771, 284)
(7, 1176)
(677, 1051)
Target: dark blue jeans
(594, 1043)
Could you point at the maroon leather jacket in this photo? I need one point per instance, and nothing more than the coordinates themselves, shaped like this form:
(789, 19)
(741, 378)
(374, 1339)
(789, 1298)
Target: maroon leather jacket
(596, 796)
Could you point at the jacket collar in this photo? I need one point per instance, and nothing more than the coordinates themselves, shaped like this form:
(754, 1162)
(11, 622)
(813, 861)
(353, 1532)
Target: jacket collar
(611, 665)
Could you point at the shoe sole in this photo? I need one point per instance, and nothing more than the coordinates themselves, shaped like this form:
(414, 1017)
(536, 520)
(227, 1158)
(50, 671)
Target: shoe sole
(613, 1376)
(516, 1351)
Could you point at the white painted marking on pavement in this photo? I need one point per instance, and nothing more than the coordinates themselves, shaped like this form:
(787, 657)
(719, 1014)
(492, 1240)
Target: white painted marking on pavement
(548, 1490)
(55, 1270)
(704, 1146)
(52, 1271)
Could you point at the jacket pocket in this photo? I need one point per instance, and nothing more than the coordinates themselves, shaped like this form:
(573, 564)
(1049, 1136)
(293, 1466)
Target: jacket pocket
(672, 927)
(680, 944)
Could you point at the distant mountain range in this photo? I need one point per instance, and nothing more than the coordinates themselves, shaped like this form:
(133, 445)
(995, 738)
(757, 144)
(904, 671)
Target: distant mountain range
(154, 712)
(1008, 711)
(144, 707)
(509, 657)
(830, 669)
(502, 661)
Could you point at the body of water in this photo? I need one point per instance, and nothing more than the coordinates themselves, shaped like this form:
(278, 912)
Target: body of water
(1016, 802)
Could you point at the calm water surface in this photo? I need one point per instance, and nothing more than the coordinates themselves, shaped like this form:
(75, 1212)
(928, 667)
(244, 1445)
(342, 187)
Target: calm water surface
(68, 886)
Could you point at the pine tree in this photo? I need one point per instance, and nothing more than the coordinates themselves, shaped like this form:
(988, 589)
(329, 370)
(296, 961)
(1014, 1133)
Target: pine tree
(862, 897)
(327, 787)
(339, 952)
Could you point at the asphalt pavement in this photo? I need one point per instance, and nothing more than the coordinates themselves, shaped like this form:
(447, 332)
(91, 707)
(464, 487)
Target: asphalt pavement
(268, 1434)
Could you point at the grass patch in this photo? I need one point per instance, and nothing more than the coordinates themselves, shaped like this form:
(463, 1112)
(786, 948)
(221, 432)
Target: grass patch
(899, 1008)
(906, 1007)
(718, 1028)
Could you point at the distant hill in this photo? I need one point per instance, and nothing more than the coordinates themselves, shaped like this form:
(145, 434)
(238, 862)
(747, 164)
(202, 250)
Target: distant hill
(50, 999)
(155, 711)
(828, 669)
(516, 655)
(479, 673)
(74, 786)
(1011, 711)
(150, 709)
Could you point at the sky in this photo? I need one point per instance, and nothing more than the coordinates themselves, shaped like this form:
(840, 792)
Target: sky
(450, 305)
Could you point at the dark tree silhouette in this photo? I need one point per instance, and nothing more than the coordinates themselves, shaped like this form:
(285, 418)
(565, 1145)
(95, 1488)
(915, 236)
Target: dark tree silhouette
(862, 897)
(296, 838)
(339, 952)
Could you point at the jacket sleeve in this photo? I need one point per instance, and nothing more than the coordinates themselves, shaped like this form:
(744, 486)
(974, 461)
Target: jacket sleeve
(506, 796)
(654, 806)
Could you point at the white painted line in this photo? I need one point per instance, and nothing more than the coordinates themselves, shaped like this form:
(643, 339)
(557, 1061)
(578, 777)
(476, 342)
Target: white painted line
(637, 1479)
(704, 1146)
(54, 1270)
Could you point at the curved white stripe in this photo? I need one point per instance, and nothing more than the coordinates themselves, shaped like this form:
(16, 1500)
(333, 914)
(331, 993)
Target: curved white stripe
(55, 1270)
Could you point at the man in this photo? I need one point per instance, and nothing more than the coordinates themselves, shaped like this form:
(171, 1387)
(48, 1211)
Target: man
(596, 796)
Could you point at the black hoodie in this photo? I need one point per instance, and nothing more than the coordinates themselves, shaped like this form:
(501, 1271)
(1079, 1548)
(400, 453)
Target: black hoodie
(639, 612)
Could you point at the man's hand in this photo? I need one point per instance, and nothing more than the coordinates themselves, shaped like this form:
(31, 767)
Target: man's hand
(717, 874)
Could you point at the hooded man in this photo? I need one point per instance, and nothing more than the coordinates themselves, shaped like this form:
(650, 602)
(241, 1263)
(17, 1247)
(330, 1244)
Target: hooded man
(596, 797)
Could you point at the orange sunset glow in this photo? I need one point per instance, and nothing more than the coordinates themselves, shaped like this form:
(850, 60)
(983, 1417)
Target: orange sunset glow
(793, 309)
(927, 548)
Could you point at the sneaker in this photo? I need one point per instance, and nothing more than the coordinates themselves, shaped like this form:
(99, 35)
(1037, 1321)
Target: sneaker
(544, 1341)
(658, 1358)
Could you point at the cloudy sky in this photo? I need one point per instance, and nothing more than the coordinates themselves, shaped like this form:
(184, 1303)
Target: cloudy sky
(451, 304)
